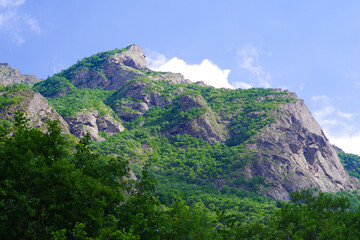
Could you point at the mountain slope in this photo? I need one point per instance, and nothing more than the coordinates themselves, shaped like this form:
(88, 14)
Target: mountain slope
(259, 140)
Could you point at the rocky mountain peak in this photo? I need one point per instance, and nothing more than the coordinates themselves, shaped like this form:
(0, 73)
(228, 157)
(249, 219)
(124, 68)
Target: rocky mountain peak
(133, 57)
(113, 69)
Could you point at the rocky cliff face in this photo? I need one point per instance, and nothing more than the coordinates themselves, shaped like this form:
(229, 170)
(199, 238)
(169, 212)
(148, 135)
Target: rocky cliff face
(9, 75)
(36, 107)
(295, 154)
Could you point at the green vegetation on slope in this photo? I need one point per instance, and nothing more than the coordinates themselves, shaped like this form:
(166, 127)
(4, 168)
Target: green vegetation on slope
(351, 163)
(192, 168)
(77, 100)
(10, 97)
(53, 86)
(247, 110)
(189, 158)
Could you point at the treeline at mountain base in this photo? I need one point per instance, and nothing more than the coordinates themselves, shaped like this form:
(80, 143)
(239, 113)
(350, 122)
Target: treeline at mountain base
(54, 187)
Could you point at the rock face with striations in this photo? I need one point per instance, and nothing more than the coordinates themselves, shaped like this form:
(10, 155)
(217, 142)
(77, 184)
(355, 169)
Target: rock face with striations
(9, 75)
(294, 154)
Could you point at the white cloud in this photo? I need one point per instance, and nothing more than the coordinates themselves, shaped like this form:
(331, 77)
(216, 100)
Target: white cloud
(348, 143)
(248, 60)
(34, 25)
(206, 71)
(324, 114)
(155, 59)
(14, 22)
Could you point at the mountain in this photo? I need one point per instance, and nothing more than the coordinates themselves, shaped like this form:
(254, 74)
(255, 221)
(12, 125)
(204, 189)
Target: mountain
(228, 140)
(9, 75)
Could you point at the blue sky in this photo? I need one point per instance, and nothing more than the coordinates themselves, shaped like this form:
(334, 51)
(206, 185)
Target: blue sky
(309, 47)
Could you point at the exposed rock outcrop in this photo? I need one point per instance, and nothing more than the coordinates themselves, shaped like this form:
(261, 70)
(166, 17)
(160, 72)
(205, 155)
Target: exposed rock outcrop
(90, 121)
(172, 78)
(293, 154)
(9, 75)
(128, 111)
(136, 90)
(134, 100)
(84, 77)
(36, 107)
(204, 126)
(133, 57)
(109, 125)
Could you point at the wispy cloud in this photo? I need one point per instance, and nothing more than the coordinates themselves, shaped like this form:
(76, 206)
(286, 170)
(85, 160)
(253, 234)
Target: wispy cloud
(347, 116)
(15, 22)
(248, 60)
(322, 98)
(324, 112)
(11, 3)
(206, 71)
